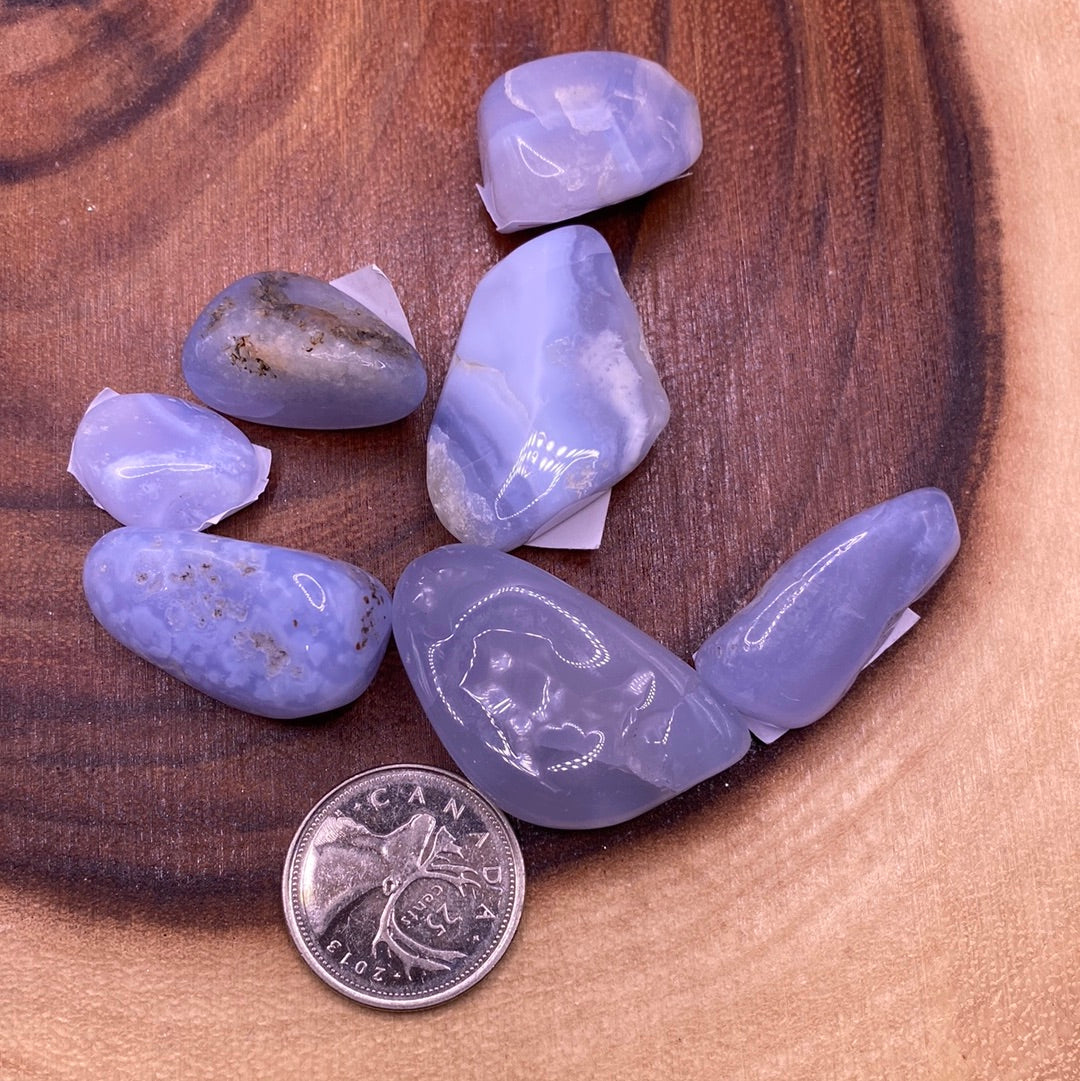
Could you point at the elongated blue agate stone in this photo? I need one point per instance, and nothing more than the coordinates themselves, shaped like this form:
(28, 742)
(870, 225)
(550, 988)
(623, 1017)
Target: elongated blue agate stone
(568, 134)
(155, 460)
(566, 715)
(292, 351)
(273, 631)
(558, 709)
(792, 653)
(551, 397)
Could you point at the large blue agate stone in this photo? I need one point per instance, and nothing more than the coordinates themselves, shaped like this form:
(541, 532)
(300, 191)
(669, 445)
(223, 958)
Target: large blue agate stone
(155, 460)
(551, 396)
(567, 134)
(273, 631)
(559, 710)
(789, 656)
(289, 350)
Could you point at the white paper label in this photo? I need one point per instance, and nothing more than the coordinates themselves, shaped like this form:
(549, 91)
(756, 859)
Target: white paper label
(372, 288)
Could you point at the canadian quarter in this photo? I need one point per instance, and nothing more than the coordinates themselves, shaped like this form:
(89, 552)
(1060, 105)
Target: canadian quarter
(403, 887)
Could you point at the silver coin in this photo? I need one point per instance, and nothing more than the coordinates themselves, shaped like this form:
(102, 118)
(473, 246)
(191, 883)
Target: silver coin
(403, 887)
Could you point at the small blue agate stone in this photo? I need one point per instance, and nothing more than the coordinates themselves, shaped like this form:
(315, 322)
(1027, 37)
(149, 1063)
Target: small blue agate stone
(790, 655)
(559, 710)
(154, 460)
(566, 715)
(292, 351)
(273, 631)
(551, 396)
(571, 133)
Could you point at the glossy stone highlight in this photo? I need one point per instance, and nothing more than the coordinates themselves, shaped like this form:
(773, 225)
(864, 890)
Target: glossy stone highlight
(790, 655)
(292, 351)
(551, 396)
(567, 134)
(273, 631)
(154, 460)
(559, 710)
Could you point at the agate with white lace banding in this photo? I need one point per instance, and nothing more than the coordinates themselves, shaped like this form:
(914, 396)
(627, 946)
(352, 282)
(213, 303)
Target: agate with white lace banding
(273, 631)
(567, 134)
(551, 397)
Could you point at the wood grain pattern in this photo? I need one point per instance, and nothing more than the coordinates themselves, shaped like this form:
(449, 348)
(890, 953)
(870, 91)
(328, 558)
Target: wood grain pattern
(841, 307)
(776, 288)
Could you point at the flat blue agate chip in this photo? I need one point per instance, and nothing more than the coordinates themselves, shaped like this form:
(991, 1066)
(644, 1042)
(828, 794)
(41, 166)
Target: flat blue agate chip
(567, 134)
(273, 631)
(792, 653)
(558, 709)
(155, 460)
(292, 351)
(551, 397)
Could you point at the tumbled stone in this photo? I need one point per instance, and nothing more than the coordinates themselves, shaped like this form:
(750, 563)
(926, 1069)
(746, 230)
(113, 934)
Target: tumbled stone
(559, 710)
(567, 134)
(790, 655)
(273, 631)
(551, 396)
(154, 460)
(292, 351)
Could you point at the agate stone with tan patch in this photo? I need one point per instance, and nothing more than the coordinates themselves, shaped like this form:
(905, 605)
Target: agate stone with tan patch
(292, 351)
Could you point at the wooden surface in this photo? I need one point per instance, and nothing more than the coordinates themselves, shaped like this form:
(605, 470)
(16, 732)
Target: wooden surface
(867, 284)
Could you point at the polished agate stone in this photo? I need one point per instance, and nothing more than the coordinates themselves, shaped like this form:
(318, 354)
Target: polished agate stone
(568, 134)
(273, 631)
(551, 396)
(568, 716)
(292, 351)
(154, 460)
(789, 656)
(559, 710)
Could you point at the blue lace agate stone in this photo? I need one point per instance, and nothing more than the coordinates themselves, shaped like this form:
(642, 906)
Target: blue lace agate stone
(273, 631)
(292, 351)
(558, 709)
(790, 655)
(154, 460)
(568, 716)
(567, 134)
(551, 396)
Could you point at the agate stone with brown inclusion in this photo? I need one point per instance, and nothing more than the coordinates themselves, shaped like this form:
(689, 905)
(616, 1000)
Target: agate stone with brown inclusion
(274, 631)
(292, 351)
